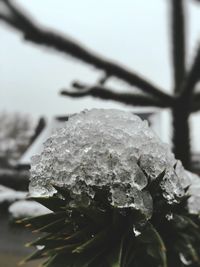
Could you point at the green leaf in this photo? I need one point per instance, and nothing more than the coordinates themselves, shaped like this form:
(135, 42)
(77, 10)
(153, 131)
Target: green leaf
(38, 254)
(55, 226)
(154, 185)
(98, 240)
(62, 249)
(52, 203)
(39, 241)
(80, 235)
(115, 257)
(42, 220)
(154, 244)
(97, 216)
(97, 258)
(64, 192)
(187, 245)
(101, 197)
(59, 259)
(129, 250)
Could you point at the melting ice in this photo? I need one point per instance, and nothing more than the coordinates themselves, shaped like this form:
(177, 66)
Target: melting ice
(107, 148)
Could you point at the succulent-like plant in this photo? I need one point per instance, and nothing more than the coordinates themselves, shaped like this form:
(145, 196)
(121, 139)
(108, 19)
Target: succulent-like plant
(117, 196)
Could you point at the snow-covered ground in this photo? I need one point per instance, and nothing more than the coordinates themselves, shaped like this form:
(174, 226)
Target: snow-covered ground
(24, 208)
(8, 195)
(18, 205)
(194, 192)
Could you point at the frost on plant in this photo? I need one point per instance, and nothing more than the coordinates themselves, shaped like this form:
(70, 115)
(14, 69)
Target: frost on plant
(194, 192)
(112, 149)
(118, 196)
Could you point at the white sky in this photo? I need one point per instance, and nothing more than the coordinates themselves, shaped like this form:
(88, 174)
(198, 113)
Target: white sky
(31, 76)
(132, 32)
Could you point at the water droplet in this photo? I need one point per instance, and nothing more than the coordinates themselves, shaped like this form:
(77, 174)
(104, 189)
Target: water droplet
(169, 216)
(184, 260)
(136, 232)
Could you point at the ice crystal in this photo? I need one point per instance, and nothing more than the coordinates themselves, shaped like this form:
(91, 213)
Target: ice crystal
(136, 232)
(169, 216)
(109, 148)
(194, 192)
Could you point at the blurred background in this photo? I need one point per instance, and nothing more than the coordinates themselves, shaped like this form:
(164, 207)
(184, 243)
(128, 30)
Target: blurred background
(139, 36)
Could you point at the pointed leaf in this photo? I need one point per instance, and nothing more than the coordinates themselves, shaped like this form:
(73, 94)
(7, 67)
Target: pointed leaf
(52, 203)
(55, 226)
(154, 244)
(42, 220)
(96, 241)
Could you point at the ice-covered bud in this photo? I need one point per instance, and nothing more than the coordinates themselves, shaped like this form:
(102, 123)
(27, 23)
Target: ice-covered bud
(194, 192)
(107, 148)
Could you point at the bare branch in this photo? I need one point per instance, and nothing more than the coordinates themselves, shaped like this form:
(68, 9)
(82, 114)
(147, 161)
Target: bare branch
(103, 79)
(6, 19)
(196, 102)
(178, 42)
(44, 37)
(16, 18)
(107, 94)
(193, 76)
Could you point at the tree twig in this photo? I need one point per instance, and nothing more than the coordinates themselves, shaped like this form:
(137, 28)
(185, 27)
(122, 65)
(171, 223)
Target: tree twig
(178, 42)
(196, 102)
(193, 76)
(108, 94)
(37, 35)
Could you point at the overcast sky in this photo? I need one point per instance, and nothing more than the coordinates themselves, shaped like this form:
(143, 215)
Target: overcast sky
(132, 32)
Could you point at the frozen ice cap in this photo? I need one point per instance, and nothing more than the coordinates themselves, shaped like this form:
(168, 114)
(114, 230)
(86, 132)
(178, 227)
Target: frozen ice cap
(194, 192)
(110, 148)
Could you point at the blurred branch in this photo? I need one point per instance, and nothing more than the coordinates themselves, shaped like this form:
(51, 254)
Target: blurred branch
(103, 79)
(35, 34)
(178, 42)
(193, 76)
(16, 19)
(101, 92)
(196, 102)
(39, 128)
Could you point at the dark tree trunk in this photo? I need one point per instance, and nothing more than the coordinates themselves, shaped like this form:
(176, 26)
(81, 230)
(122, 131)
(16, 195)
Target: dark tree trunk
(181, 132)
